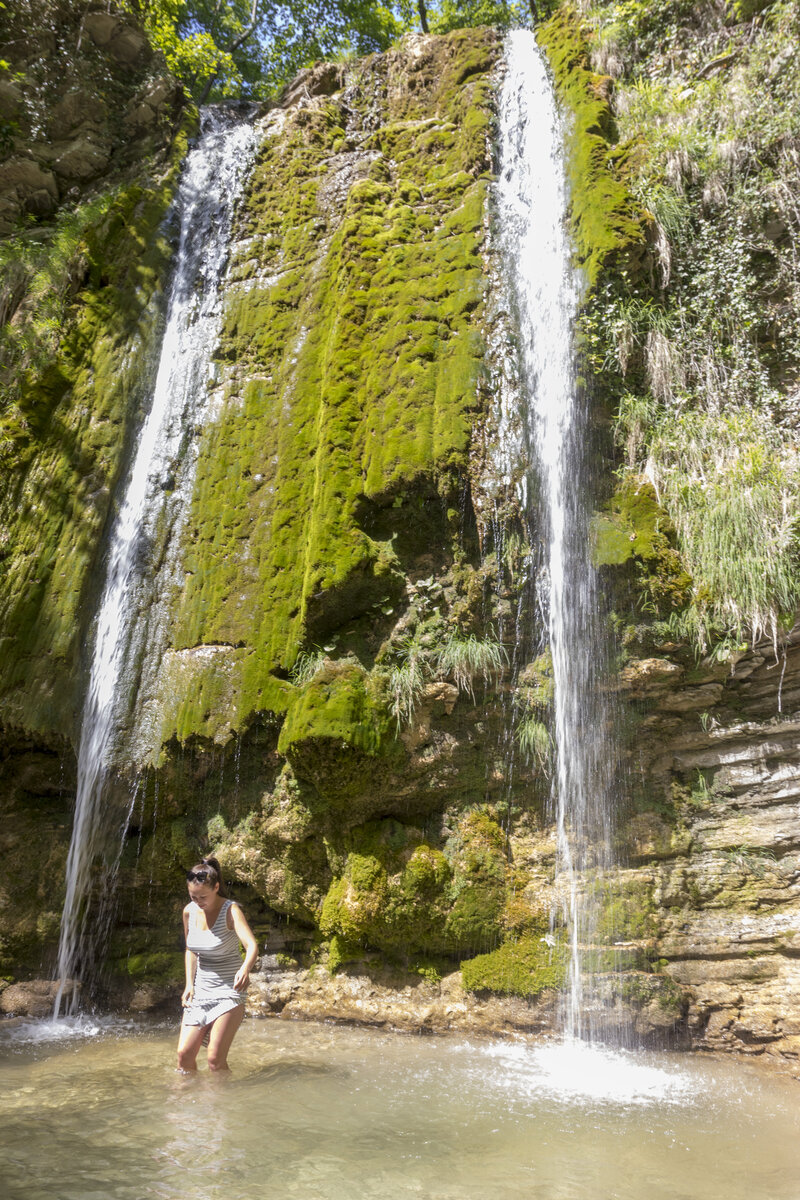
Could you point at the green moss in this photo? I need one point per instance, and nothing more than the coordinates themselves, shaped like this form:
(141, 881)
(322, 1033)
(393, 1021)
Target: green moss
(634, 528)
(640, 990)
(397, 893)
(362, 362)
(337, 705)
(606, 959)
(626, 911)
(339, 739)
(62, 461)
(340, 951)
(605, 218)
(158, 967)
(526, 968)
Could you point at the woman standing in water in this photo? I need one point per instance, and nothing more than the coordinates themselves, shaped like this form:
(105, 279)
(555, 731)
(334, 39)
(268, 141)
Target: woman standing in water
(216, 977)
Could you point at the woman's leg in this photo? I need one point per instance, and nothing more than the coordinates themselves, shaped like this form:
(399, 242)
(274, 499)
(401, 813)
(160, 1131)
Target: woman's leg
(189, 1042)
(223, 1031)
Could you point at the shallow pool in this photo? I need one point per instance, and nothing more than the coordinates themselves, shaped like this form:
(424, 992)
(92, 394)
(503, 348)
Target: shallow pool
(313, 1111)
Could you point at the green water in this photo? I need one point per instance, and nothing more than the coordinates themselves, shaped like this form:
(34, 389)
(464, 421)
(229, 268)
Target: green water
(324, 1113)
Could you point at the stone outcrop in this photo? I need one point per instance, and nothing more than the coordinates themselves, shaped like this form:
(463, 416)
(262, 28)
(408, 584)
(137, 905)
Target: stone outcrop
(717, 749)
(82, 100)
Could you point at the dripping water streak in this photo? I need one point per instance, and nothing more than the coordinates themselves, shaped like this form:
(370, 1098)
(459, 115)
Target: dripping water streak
(209, 186)
(531, 200)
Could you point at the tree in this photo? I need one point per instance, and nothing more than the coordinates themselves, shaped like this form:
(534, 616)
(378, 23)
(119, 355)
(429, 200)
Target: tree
(251, 48)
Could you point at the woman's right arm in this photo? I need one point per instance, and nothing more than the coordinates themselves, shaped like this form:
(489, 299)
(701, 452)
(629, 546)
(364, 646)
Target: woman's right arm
(190, 964)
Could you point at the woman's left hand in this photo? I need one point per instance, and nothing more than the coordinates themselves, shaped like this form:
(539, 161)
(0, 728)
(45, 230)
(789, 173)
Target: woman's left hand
(241, 979)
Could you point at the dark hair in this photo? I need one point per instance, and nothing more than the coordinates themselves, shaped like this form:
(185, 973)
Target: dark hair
(214, 873)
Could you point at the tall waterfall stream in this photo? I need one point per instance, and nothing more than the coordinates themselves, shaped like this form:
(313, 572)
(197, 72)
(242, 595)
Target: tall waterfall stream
(532, 205)
(210, 184)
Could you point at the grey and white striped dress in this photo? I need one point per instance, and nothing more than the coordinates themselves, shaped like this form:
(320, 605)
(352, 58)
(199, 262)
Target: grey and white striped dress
(218, 960)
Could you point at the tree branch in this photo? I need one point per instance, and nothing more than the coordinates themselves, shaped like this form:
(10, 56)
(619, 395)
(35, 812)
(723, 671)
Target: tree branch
(246, 33)
(250, 28)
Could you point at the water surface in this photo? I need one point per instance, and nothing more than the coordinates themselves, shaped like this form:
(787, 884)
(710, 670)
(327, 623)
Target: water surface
(325, 1113)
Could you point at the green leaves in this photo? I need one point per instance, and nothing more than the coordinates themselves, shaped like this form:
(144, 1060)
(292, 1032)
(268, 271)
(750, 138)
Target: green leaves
(252, 48)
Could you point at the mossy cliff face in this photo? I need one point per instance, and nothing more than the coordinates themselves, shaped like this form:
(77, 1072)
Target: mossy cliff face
(391, 815)
(93, 136)
(350, 361)
(81, 306)
(338, 715)
(331, 540)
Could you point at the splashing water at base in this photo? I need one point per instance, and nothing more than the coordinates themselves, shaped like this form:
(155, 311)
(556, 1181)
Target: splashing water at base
(314, 1112)
(575, 1071)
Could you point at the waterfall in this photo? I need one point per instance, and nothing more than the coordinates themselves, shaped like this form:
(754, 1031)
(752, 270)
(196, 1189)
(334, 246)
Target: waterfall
(210, 184)
(544, 291)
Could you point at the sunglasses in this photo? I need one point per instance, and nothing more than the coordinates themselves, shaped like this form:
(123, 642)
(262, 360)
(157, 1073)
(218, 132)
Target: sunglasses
(198, 876)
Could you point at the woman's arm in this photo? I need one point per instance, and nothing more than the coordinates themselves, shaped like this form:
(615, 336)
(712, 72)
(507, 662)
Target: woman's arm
(248, 940)
(190, 964)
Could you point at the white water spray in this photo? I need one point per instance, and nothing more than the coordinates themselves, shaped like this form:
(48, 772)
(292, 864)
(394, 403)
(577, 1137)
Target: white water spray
(210, 184)
(532, 204)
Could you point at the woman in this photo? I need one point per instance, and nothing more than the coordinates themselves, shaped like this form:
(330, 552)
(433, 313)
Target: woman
(216, 977)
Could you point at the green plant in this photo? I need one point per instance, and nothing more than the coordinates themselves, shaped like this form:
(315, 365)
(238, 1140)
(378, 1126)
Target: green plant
(465, 658)
(731, 485)
(535, 741)
(526, 967)
(755, 861)
(307, 664)
(406, 682)
(39, 277)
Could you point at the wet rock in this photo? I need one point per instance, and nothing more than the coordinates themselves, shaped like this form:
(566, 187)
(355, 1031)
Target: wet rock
(647, 677)
(10, 99)
(648, 836)
(698, 698)
(25, 187)
(151, 997)
(34, 998)
(321, 80)
(158, 97)
(421, 1006)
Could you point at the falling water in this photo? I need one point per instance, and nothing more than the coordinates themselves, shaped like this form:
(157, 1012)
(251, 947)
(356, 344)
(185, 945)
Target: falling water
(531, 200)
(210, 184)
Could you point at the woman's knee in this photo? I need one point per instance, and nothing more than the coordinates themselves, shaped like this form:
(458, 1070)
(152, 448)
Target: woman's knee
(217, 1061)
(187, 1059)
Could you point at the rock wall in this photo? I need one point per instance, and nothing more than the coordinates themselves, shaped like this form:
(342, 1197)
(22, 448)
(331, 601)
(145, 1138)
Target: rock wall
(98, 130)
(93, 133)
(717, 757)
(338, 712)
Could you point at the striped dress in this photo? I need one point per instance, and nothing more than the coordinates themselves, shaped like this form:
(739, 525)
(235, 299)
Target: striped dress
(218, 960)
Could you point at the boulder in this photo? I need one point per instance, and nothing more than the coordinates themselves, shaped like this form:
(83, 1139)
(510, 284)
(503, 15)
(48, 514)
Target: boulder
(10, 99)
(82, 158)
(77, 108)
(321, 80)
(34, 998)
(25, 187)
(126, 44)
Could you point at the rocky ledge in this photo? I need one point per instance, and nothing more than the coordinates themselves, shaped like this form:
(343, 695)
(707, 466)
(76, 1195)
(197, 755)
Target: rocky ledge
(716, 841)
